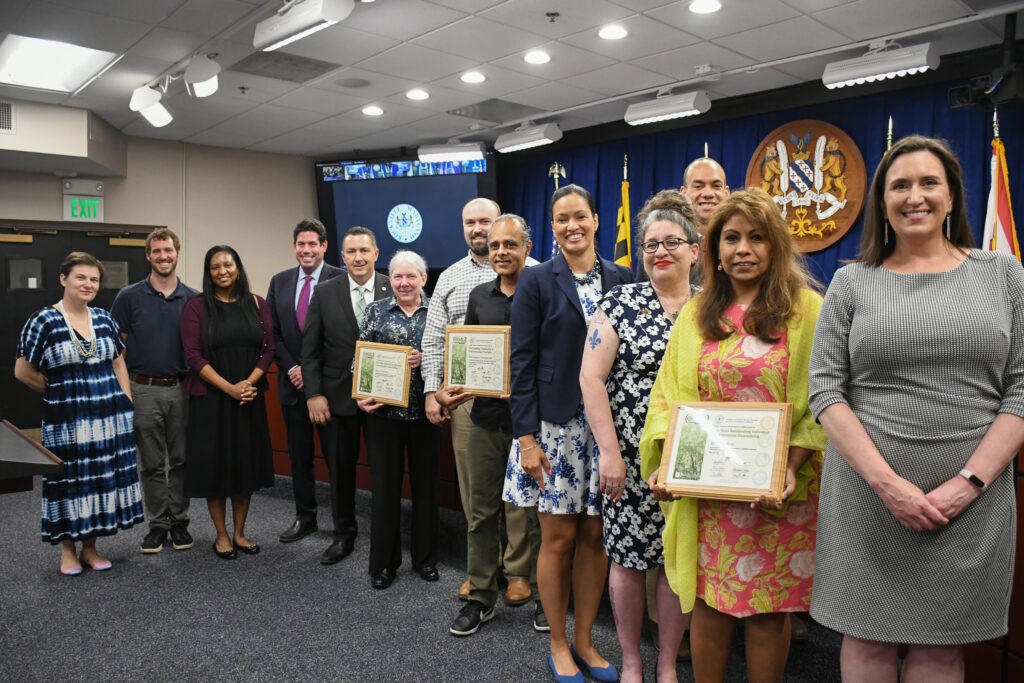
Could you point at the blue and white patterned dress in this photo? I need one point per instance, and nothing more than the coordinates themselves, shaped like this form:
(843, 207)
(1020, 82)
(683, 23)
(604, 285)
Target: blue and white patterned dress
(573, 487)
(87, 423)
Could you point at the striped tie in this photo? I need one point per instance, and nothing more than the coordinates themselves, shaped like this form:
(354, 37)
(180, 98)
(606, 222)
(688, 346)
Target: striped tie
(360, 305)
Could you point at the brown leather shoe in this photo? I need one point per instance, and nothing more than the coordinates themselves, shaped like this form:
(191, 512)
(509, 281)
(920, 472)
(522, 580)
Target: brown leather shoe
(518, 591)
(464, 590)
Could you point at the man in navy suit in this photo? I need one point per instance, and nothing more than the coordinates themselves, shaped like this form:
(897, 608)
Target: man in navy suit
(328, 347)
(289, 297)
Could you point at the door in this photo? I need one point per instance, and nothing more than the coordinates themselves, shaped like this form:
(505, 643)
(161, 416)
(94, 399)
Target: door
(30, 280)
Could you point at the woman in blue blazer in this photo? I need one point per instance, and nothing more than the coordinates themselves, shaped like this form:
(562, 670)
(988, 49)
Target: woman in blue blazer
(553, 465)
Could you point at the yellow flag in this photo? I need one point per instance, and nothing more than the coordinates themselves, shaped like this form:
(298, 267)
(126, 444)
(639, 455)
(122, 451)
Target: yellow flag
(623, 251)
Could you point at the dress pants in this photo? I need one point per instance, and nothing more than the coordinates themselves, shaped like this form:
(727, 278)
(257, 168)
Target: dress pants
(387, 442)
(340, 441)
(486, 468)
(161, 414)
(517, 554)
(301, 452)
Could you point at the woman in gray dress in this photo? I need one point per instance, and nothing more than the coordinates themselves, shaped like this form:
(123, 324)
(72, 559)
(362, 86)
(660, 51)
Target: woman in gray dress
(917, 376)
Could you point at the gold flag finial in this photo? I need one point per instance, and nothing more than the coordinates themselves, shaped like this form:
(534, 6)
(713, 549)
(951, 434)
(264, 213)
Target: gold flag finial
(995, 120)
(888, 136)
(556, 171)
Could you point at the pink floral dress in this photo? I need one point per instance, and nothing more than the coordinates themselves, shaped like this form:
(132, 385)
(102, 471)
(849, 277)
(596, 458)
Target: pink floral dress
(753, 561)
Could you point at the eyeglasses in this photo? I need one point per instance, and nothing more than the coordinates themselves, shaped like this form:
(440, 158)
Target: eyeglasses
(671, 244)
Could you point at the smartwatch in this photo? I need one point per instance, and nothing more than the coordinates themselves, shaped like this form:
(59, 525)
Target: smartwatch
(973, 478)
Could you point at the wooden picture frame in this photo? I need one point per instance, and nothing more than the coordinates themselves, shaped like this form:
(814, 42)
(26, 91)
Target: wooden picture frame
(726, 451)
(382, 372)
(476, 357)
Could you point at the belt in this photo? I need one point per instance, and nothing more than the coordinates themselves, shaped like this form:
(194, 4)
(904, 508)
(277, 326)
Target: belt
(153, 381)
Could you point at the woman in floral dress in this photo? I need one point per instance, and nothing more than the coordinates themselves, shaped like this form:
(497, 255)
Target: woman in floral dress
(747, 337)
(627, 339)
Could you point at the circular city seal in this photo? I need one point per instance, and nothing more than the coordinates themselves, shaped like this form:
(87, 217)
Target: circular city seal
(816, 175)
(405, 223)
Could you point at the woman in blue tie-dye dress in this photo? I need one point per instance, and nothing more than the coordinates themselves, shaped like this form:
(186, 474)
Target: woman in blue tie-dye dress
(72, 354)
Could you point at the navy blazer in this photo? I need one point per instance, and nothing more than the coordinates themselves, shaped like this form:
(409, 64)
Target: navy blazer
(548, 333)
(287, 335)
(329, 341)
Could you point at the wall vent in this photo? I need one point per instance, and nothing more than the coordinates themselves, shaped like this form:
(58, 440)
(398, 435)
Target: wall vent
(6, 118)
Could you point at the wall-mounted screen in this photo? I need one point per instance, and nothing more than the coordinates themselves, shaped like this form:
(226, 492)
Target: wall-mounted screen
(407, 204)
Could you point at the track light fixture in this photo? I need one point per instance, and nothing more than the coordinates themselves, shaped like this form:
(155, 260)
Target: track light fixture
(453, 150)
(666, 107)
(528, 135)
(297, 19)
(884, 60)
(146, 101)
(201, 75)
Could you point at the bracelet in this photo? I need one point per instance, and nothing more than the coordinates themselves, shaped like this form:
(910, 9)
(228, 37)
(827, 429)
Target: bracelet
(528, 448)
(973, 478)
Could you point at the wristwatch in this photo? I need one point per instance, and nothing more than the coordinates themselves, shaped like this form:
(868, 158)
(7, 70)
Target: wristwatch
(973, 478)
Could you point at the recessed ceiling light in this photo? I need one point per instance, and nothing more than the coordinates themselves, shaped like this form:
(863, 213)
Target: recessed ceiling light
(536, 57)
(705, 6)
(417, 94)
(50, 64)
(612, 32)
(473, 77)
(372, 110)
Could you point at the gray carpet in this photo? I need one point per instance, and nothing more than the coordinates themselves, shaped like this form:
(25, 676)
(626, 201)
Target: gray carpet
(278, 616)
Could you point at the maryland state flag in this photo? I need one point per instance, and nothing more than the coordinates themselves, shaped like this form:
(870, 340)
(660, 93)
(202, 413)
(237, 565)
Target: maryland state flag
(623, 251)
(1000, 230)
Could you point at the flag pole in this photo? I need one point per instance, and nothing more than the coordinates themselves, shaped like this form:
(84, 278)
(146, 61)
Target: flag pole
(995, 121)
(888, 136)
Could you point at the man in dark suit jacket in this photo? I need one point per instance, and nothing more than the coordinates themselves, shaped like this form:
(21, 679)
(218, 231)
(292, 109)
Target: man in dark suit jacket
(288, 297)
(328, 347)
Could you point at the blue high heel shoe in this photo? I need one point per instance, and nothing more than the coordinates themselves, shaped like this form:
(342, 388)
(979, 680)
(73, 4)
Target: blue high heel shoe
(604, 674)
(562, 678)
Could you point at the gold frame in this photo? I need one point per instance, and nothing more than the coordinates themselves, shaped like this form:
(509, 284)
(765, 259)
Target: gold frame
(372, 348)
(709, 417)
(502, 331)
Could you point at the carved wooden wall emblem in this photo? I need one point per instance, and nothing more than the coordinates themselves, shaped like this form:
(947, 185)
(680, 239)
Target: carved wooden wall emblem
(816, 175)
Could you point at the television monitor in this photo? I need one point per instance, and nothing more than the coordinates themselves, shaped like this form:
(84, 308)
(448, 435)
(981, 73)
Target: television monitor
(407, 203)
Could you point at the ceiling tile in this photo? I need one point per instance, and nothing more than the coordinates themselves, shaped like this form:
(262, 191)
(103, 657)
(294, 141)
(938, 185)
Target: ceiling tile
(88, 29)
(732, 18)
(809, 6)
(344, 126)
(256, 89)
(646, 37)
(566, 61)
(777, 41)
(378, 85)
(499, 81)
(224, 139)
(416, 63)
(610, 79)
(207, 16)
(148, 12)
(866, 19)
(297, 142)
(443, 126)
(743, 83)
(267, 121)
(401, 20)
(315, 99)
(167, 45)
(552, 96)
(10, 10)
(530, 15)
(441, 99)
(643, 5)
(468, 5)
(680, 64)
(479, 39)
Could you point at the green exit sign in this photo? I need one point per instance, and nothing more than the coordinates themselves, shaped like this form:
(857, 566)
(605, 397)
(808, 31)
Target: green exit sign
(83, 209)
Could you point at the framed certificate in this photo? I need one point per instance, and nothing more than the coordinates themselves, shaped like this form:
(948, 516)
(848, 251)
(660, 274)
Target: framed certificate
(726, 451)
(476, 357)
(382, 372)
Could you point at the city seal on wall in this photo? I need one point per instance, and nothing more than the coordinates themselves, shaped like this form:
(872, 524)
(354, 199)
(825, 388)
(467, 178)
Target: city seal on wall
(405, 223)
(816, 175)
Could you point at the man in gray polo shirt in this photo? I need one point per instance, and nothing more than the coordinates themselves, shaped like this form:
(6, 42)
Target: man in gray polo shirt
(148, 313)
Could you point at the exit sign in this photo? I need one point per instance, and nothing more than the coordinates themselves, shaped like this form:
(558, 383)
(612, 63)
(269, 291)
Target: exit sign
(83, 209)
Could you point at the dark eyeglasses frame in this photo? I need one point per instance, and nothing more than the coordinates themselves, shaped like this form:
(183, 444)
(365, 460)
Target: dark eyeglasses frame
(652, 246)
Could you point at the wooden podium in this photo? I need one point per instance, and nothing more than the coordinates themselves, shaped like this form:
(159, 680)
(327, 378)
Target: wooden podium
(21, 458)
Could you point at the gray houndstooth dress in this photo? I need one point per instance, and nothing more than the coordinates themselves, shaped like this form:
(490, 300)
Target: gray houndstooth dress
(926, 362)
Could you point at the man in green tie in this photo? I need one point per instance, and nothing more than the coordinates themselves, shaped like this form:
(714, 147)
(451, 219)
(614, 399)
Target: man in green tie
(328, 346)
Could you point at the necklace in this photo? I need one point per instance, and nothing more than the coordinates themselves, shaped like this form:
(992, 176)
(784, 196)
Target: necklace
(86, 349)
(589, 276)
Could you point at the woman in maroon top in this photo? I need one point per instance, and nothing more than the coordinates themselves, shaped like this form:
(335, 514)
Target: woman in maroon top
(229, 343)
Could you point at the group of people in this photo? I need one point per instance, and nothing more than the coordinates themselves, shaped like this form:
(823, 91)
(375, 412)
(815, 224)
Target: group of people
(896, 521)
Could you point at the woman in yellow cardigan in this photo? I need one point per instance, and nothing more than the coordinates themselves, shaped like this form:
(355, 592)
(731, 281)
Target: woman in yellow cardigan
(747, 337)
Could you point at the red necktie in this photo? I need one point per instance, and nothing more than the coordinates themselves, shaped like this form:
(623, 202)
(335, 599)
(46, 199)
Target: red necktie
(303, 306)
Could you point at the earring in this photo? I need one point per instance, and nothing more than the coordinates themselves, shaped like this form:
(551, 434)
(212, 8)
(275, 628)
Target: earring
(947, 228)
(719, 265)
(886, 231)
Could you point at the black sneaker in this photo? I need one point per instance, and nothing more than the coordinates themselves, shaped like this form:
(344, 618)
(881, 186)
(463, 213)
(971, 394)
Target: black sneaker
(180, 538)
(540, 620)
(470, 617)
(154, 541)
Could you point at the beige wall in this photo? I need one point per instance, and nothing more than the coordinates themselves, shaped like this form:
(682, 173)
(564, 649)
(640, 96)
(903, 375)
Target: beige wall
(208, 195)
